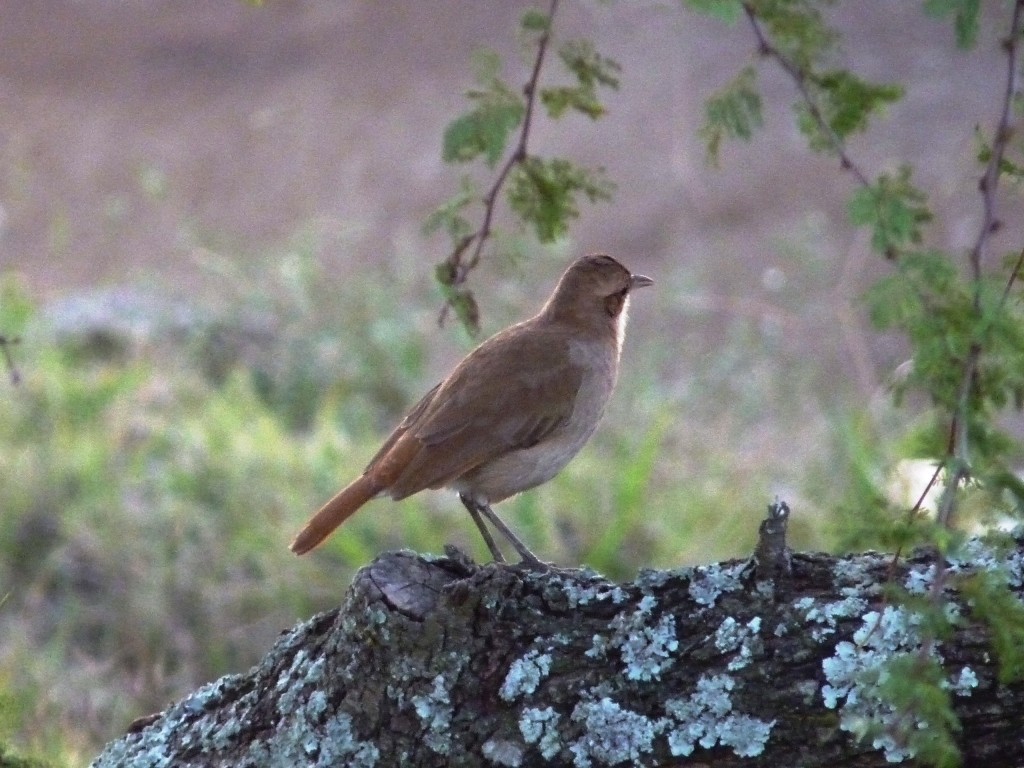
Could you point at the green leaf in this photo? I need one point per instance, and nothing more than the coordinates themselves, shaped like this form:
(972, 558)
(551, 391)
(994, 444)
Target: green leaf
(894, 209)
(797, 30)
(733, 112)
(485, 63)
(1007, 167)
(1000, 332)
(448, 215)
(543, 193)
(484, 131)
(459, 298)
(590, 70)
(965, 18)
(847, 101)
(1005, 481)
(558, 100)
(728, 11)
(535, 20)
(844, 103)
(928, 300)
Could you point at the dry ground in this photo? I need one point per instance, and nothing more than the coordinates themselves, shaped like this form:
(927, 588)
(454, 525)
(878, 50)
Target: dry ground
(134, 131)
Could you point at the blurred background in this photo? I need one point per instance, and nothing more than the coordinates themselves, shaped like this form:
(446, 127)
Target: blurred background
(211, 250)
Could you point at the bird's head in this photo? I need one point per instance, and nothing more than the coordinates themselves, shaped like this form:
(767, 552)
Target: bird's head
(595, 290)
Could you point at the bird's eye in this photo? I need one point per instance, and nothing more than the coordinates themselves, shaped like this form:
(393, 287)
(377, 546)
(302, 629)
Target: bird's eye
(613, 304)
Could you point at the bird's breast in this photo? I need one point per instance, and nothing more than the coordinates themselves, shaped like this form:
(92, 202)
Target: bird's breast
(527, 468)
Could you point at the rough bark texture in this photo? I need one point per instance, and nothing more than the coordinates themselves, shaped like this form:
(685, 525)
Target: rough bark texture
(441, 662)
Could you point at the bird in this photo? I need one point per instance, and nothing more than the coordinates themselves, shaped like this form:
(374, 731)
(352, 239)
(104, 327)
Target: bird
(511, 415)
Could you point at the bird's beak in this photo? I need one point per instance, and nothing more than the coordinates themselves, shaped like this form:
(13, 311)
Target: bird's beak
(639, 281)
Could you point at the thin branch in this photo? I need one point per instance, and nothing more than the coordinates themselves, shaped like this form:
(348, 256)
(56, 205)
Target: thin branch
(1014, 274)
(958, 458)
(989, 181)
(5, 346)
(460, 266)
(799, 77)
(911, 514)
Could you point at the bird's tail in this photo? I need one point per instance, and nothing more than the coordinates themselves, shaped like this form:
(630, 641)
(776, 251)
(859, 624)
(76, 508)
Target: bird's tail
(334, 513)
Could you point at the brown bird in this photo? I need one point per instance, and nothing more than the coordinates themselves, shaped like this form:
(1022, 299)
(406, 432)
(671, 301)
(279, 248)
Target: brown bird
(511, 414)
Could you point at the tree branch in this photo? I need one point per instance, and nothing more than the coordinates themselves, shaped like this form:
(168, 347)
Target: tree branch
(989, 181)
(437, 661)
(958, 458)
(461, 267)
(799, 77)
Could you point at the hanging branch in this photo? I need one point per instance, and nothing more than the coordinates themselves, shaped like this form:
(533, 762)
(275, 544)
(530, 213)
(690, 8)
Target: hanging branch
(799, 77)
(956, 462)
(457, 262)
(958, 458)
(989, 181)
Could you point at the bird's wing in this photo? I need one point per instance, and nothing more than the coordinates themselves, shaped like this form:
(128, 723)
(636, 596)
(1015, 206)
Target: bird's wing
(510, 393)
(410, 418)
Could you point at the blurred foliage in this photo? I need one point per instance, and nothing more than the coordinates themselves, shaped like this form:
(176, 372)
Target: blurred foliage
(734, 112)
(498, 110)
(927, 700)
(154, 477)
(544, 192)
(965, 18)
(9, 759)
(894, 210)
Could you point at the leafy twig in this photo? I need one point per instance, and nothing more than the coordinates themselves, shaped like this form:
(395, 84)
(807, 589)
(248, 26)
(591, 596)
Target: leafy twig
(989, 181)
(799, 77)
(957, 461)
(959, 454)
(457, 262)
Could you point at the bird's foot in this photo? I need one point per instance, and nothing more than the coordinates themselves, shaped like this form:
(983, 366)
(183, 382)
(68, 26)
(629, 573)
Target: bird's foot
(533, 563)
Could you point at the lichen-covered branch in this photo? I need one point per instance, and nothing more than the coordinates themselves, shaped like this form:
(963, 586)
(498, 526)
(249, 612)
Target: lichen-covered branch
(442, 662)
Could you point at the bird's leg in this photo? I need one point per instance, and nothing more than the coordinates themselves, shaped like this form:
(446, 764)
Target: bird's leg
(529, 559)
(474, 512)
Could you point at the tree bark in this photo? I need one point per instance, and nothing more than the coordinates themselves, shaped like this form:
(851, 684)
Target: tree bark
(437, 661)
